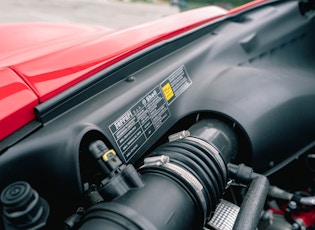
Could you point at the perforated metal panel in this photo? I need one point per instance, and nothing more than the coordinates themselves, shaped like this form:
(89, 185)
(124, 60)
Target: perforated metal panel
(224, 216)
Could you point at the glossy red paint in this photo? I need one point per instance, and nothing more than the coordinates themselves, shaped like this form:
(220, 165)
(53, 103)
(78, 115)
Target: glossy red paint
(27, 42)
(17, 101)
(29, 38)
(71, 62)
(246, 6)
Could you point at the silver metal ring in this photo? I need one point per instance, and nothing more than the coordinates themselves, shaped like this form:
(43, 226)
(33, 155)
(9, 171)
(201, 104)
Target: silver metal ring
(212, 150)
(164, 161)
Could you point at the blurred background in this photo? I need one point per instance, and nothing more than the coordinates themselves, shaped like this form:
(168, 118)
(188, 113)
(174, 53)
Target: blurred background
(191, 4)
(116, 14)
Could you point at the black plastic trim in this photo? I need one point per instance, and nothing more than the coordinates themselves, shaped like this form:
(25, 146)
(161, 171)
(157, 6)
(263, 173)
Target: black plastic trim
(19, 135)
(124, 69)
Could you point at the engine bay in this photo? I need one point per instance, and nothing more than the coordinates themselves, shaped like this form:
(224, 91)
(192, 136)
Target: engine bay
(213, 129)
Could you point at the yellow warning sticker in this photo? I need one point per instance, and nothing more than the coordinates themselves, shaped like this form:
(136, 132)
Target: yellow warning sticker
(168, 91)
(176, 84)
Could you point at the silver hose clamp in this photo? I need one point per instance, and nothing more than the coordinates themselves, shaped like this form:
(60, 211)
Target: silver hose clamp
(164, 161)
(185, 134)
(213, 150)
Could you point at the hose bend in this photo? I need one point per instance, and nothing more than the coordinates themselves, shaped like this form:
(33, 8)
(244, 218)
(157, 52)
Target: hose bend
(253, 203)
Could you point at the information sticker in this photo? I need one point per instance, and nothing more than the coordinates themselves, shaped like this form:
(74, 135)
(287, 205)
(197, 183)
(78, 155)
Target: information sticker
(134, 128)
(176, 84)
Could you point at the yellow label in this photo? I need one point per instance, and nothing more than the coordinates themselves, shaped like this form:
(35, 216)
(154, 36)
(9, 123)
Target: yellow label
(168, 91)
(109, 152)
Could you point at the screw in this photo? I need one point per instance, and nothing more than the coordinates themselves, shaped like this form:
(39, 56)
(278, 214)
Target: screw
(130, 79)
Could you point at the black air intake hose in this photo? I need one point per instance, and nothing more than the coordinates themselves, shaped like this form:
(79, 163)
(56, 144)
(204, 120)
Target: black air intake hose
(183, 182)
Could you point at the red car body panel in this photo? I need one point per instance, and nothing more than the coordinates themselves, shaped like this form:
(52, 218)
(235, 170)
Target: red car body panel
(50, 58)
(17, 102)
(245, 6)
